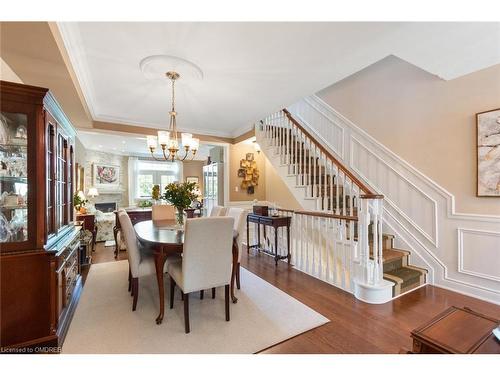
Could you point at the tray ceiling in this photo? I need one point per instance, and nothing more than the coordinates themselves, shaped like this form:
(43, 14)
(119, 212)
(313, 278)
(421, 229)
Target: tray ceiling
(253, 69)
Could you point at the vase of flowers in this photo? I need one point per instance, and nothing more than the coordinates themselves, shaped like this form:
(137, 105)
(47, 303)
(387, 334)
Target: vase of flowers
(155, 193)
(79, 201)
(180, 195)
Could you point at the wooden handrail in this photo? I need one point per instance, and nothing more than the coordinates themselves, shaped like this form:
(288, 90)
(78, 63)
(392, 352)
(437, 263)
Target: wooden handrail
(327, 215)
(368, 192)
(320, 214)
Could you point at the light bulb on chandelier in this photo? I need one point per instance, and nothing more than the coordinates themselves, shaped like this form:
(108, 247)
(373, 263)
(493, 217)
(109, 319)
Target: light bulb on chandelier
(169, 140)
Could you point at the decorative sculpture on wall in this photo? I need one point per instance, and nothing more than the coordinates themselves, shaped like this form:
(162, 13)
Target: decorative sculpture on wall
(249, 172)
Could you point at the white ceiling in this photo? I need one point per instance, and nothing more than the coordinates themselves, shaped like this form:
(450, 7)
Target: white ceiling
(253, 69)
(127, 145)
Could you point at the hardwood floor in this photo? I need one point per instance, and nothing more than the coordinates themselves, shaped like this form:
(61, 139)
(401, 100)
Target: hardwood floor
(355, 326)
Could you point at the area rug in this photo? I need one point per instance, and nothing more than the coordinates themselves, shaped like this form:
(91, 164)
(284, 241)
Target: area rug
(105, 323)
(109, 243)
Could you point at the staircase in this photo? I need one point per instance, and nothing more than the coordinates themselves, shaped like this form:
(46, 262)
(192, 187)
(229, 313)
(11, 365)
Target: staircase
(339, 236)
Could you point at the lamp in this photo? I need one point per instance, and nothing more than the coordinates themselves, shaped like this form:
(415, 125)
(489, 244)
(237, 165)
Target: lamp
(92, 192)
(169, 140)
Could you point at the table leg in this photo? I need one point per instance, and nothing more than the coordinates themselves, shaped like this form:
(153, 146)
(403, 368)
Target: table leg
(258, 235)
(234, 270)
(159, 263)
(276, 246)
(115, 234)
(288, 243)
(248, 237)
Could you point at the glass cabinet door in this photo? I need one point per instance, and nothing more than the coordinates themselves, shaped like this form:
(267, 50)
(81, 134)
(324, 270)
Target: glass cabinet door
(13, 177)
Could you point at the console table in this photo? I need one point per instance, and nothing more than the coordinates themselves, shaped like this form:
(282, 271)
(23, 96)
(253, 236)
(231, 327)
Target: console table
(457, 331)
(271, 221)
(136, 215)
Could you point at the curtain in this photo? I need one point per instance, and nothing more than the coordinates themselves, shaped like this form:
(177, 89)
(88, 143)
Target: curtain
(132, 180)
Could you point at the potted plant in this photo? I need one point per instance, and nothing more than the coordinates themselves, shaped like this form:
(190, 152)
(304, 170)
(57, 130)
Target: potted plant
(79, 201)
(180, 195)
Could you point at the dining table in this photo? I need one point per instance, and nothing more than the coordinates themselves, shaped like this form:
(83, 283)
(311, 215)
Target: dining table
(166, 239)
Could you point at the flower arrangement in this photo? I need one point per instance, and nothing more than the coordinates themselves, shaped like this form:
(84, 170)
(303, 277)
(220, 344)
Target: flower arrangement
(180, 195)
(79, 201)
(155, 193)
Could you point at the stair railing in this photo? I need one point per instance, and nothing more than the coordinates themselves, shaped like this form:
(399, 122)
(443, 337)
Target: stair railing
(348, 215)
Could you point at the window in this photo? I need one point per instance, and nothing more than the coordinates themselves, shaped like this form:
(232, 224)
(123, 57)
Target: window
(151, 173)
(145, 185)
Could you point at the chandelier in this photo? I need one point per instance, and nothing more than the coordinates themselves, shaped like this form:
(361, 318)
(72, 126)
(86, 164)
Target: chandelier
(169, 140)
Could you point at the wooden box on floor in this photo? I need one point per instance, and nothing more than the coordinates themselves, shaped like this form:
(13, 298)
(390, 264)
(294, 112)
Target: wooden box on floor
(40, 281)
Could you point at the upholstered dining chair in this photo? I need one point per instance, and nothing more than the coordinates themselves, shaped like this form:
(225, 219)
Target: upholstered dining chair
(240, 223)
(163, 212)
(141, 263)
(206, 260)
(218, 211)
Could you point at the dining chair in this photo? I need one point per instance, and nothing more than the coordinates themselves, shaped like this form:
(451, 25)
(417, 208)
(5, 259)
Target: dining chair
(206, 260)
(163, 212)
(218, 211)
(240, 222)
(141, 263)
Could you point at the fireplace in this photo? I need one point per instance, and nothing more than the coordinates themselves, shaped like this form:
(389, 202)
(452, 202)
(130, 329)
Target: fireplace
(106, 207)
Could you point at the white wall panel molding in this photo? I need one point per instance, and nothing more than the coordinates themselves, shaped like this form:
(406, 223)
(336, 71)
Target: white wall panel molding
(423, 208)
(474, 246)
(420, 212)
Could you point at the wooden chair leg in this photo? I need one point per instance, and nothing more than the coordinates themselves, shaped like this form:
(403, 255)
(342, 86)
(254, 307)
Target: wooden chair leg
(226, 301)
(172, 291)
(213, 293)
(202, 294)
(129, 279)
(135, 289)
(238, 276)
(186, 312)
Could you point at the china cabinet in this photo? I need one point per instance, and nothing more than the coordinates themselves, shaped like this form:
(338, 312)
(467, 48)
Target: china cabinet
(39, 270)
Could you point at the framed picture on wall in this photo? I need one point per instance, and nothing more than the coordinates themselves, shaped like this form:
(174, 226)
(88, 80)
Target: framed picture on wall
(488, 153)
(79, 177)
(194, 179)
(106, 176)
(241, 172)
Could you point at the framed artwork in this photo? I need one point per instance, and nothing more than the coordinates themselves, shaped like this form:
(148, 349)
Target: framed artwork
(250, 189)
(106, 176)
(249, 156)
(79, 177)
(488, 153)
(194, 179)
(244, 163)
(241, 172)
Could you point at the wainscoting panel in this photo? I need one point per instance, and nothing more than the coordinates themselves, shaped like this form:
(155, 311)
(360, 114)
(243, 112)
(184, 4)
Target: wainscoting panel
(479, 253)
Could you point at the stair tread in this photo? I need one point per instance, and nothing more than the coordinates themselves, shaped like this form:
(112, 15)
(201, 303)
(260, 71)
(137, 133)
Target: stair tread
(405, 273)
(392, 254)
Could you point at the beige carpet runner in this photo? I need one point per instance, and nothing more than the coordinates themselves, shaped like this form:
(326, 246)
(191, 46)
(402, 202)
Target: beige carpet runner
(105, 323)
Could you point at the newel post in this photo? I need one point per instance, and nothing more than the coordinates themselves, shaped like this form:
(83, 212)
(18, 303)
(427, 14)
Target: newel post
(369, 284)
